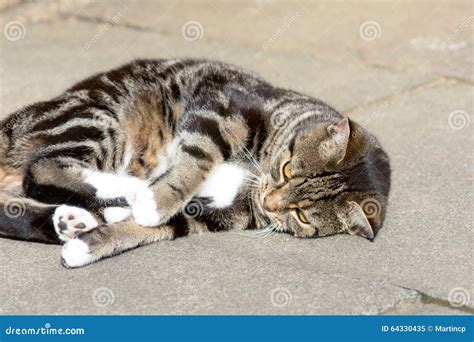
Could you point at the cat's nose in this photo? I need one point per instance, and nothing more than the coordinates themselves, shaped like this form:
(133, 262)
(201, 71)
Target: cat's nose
(270, 204)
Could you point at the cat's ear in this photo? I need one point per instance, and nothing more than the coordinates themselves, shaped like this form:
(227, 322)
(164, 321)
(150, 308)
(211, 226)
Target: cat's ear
(357, 222)
(339, 134)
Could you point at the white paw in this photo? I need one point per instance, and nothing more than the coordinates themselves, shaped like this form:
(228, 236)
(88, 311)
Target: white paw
(111, 186)
(69, 221)
(144, 209)
(116, 214)
(223, 184)
(141, 195)
(76, 253)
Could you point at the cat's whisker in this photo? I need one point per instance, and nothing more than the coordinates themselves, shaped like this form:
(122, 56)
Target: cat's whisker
(254, 162)
(250, 178)
(261, 233)
(247, 154)
(252, 175)
(252, 159)
(254, 186)
(247, 195)
(269, 230)
(251, 188)
(270, 233)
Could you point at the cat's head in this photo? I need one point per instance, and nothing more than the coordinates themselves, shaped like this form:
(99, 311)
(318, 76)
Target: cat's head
(329, 178)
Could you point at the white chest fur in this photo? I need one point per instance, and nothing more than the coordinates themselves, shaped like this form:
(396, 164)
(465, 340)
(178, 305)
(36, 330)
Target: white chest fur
(223, 184)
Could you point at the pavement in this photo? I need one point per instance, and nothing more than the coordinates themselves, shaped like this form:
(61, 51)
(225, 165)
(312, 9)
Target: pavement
(402, 69)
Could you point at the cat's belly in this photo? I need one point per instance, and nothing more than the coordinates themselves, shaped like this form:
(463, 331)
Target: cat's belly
(223, 185)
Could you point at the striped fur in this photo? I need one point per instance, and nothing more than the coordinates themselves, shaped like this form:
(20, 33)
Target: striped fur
(143, 139)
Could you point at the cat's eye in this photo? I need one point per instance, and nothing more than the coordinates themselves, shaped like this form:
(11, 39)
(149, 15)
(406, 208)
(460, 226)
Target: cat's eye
(301, 216)
(287, 170)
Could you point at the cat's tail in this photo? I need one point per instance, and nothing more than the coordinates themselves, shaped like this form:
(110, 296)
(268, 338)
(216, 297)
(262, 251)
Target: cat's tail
(23, 218)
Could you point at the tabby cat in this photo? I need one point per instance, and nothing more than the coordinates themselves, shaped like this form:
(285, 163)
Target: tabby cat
(158, 149)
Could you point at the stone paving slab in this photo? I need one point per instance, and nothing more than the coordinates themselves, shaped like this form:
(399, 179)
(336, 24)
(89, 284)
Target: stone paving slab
(371, 31)
(186, 276)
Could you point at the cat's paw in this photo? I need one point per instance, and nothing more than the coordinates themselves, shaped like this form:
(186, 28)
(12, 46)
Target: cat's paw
(116, 214)
(134, 190)
(70, 221)
(111, 186)
(144, 209)
(76, 253)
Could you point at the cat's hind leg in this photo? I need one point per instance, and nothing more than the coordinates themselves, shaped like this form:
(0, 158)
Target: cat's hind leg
(82, 196)
(26, 219)
(23, 218)
(56, 182)
(59, 182)
(71, 221)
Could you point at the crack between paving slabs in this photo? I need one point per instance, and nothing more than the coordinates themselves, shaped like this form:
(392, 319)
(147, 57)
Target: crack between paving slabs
(426, 299)
(412, 90)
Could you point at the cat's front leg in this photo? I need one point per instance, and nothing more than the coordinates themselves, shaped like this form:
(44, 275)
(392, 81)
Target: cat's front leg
(112, 239)
(203, 144)
(111, 186)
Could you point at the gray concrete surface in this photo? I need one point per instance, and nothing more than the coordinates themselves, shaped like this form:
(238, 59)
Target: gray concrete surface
(404, 70)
